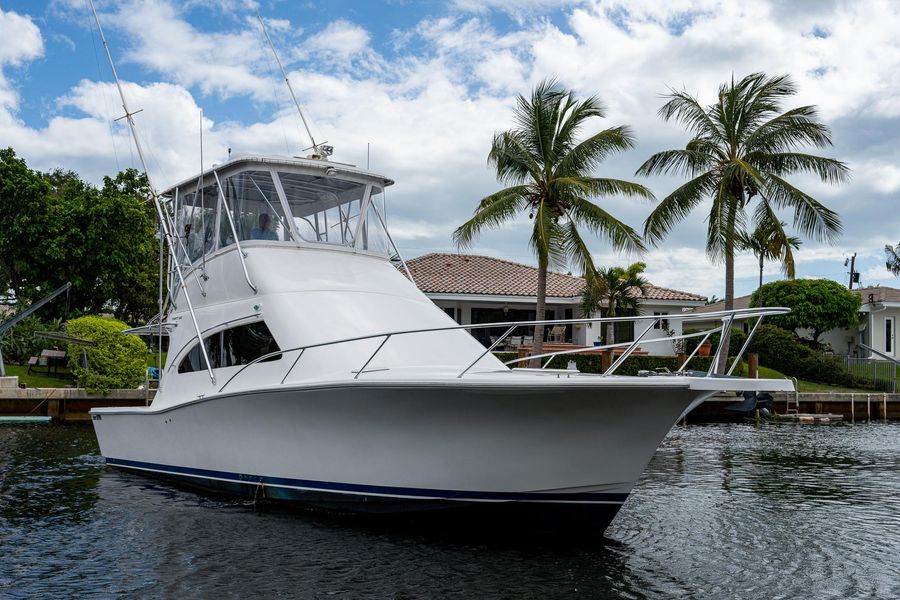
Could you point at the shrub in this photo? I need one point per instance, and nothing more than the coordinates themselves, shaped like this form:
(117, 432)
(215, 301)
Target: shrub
(19, 343)
(779, 349)
(116, 361)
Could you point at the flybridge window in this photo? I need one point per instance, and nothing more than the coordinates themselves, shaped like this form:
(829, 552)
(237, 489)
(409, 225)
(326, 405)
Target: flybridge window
(327, 210)
(254, 208)
(197, 222)
(232, 347)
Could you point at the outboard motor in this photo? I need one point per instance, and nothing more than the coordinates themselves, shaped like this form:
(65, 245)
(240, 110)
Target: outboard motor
(753, 401)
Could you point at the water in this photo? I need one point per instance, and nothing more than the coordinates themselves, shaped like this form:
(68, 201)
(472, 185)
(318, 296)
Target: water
(723, 511)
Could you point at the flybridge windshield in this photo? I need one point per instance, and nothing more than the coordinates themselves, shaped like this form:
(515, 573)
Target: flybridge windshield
(271, 206)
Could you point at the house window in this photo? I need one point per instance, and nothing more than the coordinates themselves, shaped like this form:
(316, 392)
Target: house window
(451, 312)
(662, 323)
(889, 335)
(232, 347)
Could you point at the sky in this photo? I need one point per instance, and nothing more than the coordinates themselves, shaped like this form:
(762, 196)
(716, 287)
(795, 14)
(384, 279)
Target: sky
(418, 89)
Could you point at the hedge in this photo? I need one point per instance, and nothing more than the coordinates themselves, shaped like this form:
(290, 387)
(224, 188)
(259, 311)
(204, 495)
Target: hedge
(116, 361)
(780, 350)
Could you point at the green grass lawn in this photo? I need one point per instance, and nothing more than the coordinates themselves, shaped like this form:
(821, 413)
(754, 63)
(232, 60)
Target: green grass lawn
(38, 377)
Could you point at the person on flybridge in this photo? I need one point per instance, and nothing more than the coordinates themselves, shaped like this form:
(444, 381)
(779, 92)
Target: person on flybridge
(263, 232)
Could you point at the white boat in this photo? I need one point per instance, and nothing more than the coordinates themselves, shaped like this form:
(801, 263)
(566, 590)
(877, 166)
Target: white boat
(326, 378)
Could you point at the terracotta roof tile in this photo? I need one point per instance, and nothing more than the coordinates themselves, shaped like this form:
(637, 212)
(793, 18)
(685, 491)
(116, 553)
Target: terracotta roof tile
(484, 275)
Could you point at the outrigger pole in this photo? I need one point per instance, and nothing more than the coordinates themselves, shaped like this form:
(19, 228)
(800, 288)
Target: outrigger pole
(321, 150)
(156, 203)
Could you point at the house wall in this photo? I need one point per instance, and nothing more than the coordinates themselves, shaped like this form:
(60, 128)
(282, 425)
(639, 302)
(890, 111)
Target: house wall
(876, 329)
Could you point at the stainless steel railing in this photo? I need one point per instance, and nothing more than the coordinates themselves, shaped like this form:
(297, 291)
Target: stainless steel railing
(728, 317)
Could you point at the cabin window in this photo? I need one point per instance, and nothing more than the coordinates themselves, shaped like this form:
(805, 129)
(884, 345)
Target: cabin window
(232, 347)
(254, 208)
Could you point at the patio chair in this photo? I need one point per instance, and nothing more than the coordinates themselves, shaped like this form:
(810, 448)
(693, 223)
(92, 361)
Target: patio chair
(528, 340)
(557, 333)
(515, 341)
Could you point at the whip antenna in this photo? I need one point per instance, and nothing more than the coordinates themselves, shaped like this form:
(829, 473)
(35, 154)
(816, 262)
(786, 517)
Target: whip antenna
(319, 150)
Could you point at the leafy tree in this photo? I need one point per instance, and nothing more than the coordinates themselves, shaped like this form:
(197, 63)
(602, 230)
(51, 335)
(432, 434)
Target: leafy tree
(550, 178)
(769, 241)
(22, 211)
(742, 149)
(620, 290)
(817, 304)
(892, 259)
(115, 361)
(55, 228)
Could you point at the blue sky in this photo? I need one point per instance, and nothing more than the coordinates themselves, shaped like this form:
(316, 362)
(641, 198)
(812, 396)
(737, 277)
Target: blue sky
(426, 84)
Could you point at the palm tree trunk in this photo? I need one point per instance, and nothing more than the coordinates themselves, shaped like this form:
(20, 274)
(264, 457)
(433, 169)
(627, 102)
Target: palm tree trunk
(611, 327)
(760, 269)
(538, 346)
(729, 303)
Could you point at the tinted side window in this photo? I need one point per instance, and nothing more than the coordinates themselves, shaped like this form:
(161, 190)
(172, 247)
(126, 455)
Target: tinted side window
(246, 343)
(236, 346)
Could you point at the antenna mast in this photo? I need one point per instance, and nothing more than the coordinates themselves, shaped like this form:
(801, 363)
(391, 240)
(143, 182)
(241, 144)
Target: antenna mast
(321, 150)
(156, 202)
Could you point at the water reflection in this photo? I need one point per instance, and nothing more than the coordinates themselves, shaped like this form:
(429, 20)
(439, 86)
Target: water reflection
(722, 511)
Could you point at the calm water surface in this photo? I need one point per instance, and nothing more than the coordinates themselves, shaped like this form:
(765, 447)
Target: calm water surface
(723, 511)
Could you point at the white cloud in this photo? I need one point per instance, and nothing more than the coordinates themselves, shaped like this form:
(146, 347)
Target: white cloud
(20, 41)
(341, 38)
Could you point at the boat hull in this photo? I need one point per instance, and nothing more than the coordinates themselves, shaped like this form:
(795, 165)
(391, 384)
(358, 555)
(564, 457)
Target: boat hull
(553, 454)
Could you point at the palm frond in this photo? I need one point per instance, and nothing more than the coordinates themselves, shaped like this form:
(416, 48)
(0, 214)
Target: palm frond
(676, 206)
(687, 110)
(600, 186)
(622, 236)
(796, 127)
(892, 259)
(492, 211)
(811, 218)
(687, 162)
(588, 154)
(829, 170)
(577, 251)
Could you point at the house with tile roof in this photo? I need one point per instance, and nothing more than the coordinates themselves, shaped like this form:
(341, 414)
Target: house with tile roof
(483, 289)
(879, 318)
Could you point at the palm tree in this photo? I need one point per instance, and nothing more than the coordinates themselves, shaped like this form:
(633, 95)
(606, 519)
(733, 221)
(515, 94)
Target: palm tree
(619, 289)
(550, 178)
(769, 241)
(892, 259)
(742, 149)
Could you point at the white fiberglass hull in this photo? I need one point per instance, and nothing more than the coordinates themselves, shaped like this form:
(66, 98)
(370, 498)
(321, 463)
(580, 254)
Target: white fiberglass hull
(392, 446)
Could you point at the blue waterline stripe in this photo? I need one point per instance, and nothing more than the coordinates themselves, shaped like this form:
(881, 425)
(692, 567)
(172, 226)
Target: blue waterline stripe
(326, 486)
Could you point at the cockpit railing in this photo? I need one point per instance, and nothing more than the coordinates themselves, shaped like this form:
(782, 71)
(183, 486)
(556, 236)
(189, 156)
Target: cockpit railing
(727, 317)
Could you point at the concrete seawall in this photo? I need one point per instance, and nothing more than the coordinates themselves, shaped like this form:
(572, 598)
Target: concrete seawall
(63, 404)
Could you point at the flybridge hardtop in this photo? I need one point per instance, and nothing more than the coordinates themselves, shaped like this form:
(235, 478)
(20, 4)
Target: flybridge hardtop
(273, 161)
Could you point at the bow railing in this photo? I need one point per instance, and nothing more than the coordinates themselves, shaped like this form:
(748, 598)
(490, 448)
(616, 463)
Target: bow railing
(727, 317)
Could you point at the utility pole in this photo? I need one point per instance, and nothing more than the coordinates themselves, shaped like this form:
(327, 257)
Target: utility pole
(854, 276)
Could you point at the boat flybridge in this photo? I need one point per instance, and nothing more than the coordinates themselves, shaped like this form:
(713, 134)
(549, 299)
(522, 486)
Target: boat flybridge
(305, 366)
